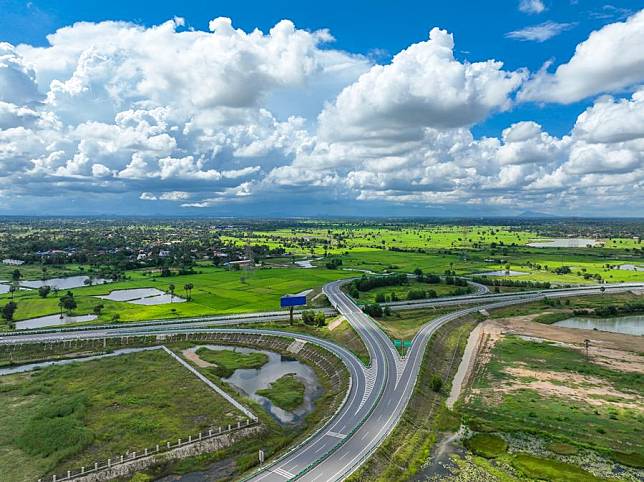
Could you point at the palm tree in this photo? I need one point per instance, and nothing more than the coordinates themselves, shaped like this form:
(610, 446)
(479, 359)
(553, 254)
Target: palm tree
(171, 289)
(188, 288)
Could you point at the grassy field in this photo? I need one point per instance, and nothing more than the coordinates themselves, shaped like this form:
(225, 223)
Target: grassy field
(403, 325)
(441, 289)
(216, 291)
(286, 392)
(64, 417)
(227, 361)
(555, 391)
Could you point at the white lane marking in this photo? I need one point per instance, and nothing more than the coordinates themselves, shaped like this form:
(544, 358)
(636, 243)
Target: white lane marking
(283, 473)
(365, 435)
(336, 434)
(317, 450)
(318, 476)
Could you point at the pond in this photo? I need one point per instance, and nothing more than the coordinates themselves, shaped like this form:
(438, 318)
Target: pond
(52, 320)
(502, 272)
(63, 283)
(629, 325)
(564, 243)
(304, 264)
(142, 296)
(248, 381)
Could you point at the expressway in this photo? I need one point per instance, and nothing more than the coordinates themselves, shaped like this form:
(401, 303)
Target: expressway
(378, 394)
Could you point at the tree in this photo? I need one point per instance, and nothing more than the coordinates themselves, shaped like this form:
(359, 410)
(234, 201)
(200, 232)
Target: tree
(67, 303)
(171, 289)
(43, 291)
(380, 298)
(98, 309)
(418, 272)
(116, 317)
(188, 289)
(13, 287)
(16, 275)
(8, 310)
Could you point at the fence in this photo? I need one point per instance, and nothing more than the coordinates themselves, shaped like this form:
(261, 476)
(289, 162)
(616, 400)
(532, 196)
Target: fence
(159, 448)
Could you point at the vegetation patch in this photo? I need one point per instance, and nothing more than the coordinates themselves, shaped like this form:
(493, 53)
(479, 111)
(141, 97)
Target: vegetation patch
(287, 392)
(562, 448)
(227, 361)
(487, 445)
(547, 469)
(63, 417)
(555, 391)
(631, 459)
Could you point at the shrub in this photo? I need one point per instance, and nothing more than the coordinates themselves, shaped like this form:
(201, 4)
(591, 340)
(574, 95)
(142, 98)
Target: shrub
(374, 310)
(436, 383)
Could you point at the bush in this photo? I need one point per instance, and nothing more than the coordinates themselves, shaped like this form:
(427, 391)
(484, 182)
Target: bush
(380, 298)
(436, 383)
(316, 318)
(487, 445)
(416, 294)
(374, 310)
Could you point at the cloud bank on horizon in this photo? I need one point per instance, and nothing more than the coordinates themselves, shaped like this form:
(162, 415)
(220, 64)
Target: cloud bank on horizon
(166, 116)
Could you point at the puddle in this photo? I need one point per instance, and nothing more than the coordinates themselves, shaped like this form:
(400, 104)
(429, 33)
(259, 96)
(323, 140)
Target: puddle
(248, 380)
(52, 320)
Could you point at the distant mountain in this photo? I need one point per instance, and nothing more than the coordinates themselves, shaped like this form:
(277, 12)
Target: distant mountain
(535, 215)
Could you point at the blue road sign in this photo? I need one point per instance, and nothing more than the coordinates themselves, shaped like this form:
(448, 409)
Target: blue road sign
(288, 300)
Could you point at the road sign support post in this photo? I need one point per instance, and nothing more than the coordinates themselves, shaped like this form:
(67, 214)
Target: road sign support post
(290, 311)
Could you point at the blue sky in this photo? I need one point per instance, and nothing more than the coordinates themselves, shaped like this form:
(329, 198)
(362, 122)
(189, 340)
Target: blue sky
(366, 35)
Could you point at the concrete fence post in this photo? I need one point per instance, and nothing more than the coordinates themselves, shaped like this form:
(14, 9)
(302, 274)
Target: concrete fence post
(199, 435)
(219, 429)
(95, 465)
(179, 443)
(168, 444)
(189, 438)
(238, 423)
(53, 478)
(133, 455)
(157, 447)
(210, 433)
(82, 470)
(248, 421)
(109, 463)
(121, 459)
(69, 474)
(229, 427)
